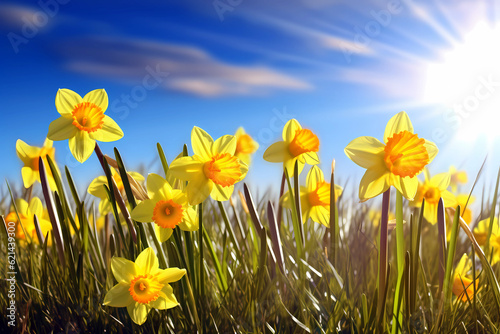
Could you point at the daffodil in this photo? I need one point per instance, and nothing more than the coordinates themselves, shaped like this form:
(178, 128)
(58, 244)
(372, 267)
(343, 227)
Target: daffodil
(26, 212)
(495, 244)
(298, 144)
(167, 208)
(375, 216)
(142, 285)
(245, 146)
(30, 156)
(96, 188)
(212, 170)
(457, 177)
(462, 285)
(83, 122)
(482, 229)
(395, 162)
(315, 198)
(432, 189)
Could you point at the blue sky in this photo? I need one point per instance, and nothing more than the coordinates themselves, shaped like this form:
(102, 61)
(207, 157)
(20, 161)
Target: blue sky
(342, 68)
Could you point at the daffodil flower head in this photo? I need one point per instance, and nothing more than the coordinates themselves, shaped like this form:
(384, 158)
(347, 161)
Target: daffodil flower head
(395, 162)
(142, 285)
(167, 208)
(432, 189)
(245, 146)
(315, 197)
(30, 156)
(213, 170)
(26, 212)
(457, 178)
(83, 122)
(465, 203)
(298, 145)
(462, 285)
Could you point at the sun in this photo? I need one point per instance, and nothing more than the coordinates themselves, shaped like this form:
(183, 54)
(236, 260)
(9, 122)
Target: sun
(466, 83)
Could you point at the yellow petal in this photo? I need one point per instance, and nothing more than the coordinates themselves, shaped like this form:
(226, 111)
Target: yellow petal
(66, 100)
(407, 186)
(96, 187)
(449, 200)
(147, 261)
(22, 206)
(320, 214)
(158, 185)
(225, 144)
(432, 150)
(289, 165)
(166, 300)
(198, 190)
(430, 212)
(186, 168)
(138, 312)
(202, 143)
(26, 152)
(220, 193)
(171, 275)
(29, 176)
(314, 177)
(110, 131)
(143, 212)
(136, 176)
(399, 122)
(290, 129)
(311, 158)
(119, 296)
(99, 97)
(190, 220)
(62, 129)
(35, 207)
(124, 270)
(163, 233)
(373, 183)
(81, 146)
(440, 181)
(277, 152)
(365, 151)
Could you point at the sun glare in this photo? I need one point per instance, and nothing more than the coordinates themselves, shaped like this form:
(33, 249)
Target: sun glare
(466, 82)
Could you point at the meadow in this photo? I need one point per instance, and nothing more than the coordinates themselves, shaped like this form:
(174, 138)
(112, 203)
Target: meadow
(193, 249)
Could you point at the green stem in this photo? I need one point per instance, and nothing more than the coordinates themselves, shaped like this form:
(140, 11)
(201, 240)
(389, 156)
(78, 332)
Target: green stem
(400, 244)
(202, 278)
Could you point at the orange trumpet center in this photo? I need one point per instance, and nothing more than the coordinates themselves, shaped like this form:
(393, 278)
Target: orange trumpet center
(223, 169)
(320, 195)
(304, 141)
(50, 151)
(245, 145)
(145, 288)
(432, 194)
(88, 117)
(405, 154)
(167, 214)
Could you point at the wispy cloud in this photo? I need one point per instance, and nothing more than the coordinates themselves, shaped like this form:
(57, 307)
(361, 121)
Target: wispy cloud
(191, 69)
(13, 17)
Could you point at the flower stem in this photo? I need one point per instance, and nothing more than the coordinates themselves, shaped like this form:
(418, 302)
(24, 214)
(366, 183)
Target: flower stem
(400, 244)
(382, 270)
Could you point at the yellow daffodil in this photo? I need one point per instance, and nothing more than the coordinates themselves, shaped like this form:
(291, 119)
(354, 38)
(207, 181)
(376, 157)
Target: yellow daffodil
(26, 212)
(30, 156)
(142, 285)
(245, 146)
(315, 198)
(457, 177)
(432, 189)
(460, 280)
(298, 144)
(96, 188)
(212, 170)
(83, 122)
(167, 208)
(396, 162)
(462, 200)
(482, 229)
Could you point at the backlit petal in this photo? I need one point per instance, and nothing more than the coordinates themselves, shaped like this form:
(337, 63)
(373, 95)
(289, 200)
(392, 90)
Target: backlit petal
(440, 181)
(171, 275)
(96, 187)
(81, 146)
(432, 150)
(62, 129)
(138, 312)
(365, 151)
(66, 100)
(186, 168)
(99, 97)
(314, 177)
(399, 122)
(373, 183)
(202, 143)
(119, 296)
(220, 193)
(277, 152)
(290, 129)
(406, 185)
(110, 131)
(124, 270)
(143, 212)
(198, 190)
(147, 261)
(225, 144)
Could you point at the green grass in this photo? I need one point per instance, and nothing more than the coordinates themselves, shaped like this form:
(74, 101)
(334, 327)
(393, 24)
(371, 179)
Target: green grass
(260, 270)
